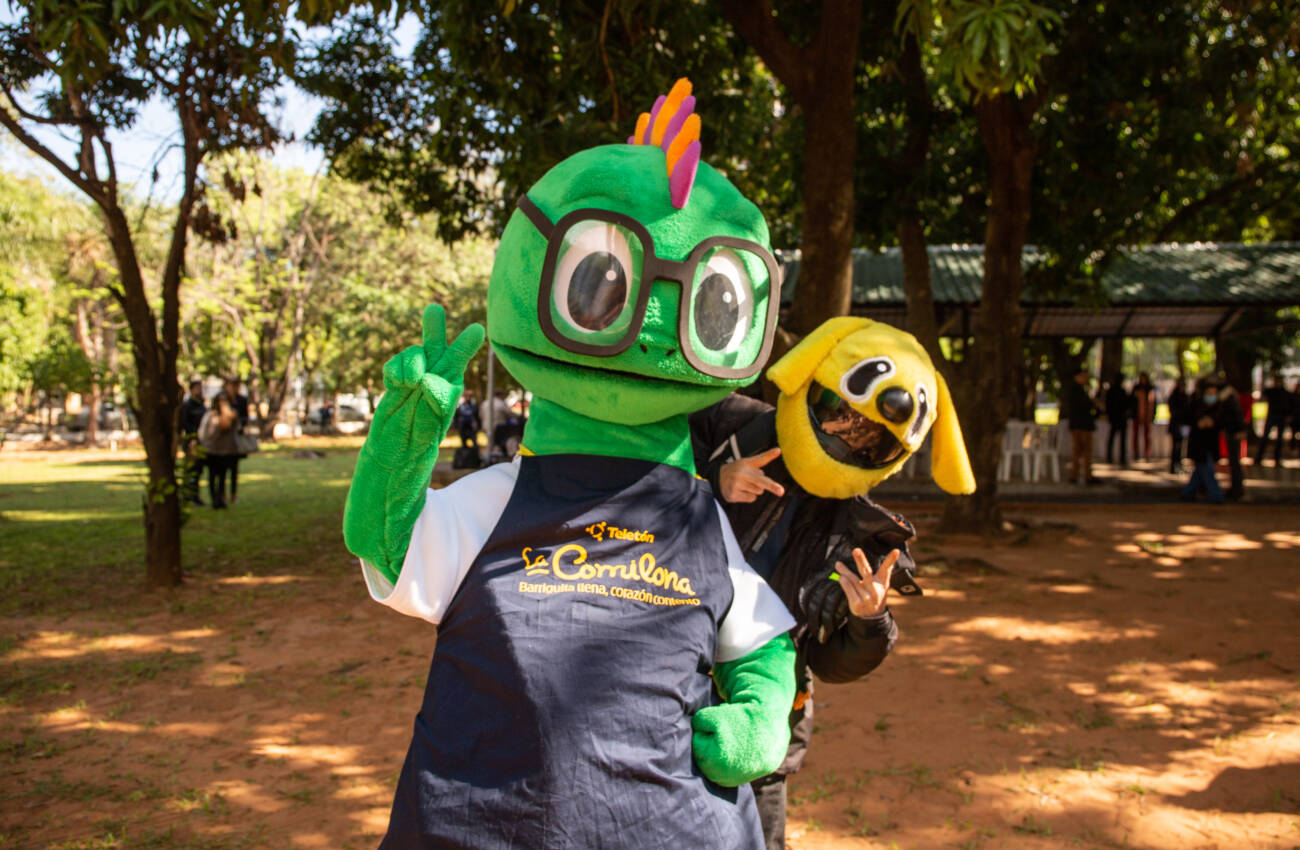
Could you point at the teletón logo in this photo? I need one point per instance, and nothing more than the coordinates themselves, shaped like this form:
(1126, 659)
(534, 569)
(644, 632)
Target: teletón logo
(569, 563)
(600, 529)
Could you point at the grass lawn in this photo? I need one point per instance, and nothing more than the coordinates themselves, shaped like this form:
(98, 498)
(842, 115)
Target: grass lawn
(70, 522)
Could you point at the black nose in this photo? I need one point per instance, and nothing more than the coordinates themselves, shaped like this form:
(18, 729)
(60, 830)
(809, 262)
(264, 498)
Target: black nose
(895, 405)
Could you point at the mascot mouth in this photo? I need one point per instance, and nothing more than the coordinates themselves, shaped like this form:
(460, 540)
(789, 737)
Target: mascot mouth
(592, 371)
(848, 436)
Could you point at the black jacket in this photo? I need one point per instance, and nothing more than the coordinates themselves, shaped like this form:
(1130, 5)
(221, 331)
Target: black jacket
(1180, 405)
(793, 541)
(1203, 442)
(1118, 402)
(1280, 403)
(191, 415)
(1079, 409)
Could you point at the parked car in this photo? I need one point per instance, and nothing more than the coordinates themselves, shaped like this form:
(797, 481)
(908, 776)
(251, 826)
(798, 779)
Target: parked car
(111, 418)
(342, 413)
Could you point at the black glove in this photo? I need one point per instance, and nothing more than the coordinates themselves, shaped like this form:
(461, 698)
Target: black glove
(825, 607)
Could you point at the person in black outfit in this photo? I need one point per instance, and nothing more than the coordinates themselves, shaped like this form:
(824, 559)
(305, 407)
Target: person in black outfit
(191, 415)
(1234, 429)
(466, 420)
(239, 402)
(1207, 416)
(1180, 406)
(1279, 412)
(1118, 407)
(1081, 413)
(798, 543)
(1295, 416)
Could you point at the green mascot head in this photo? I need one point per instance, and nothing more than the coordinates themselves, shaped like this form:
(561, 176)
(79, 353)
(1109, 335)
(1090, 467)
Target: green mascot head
(633, 282)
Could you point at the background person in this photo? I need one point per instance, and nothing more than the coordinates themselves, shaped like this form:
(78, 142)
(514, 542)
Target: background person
(239, 403)
(1279, 414)
(507, 427)
(217, 436)
(1081, 413)
(1207, 415)
(1118, 403)
(466, 420)
(1234, 429)
(1144, 414)
(189, 420)
(1295, 416)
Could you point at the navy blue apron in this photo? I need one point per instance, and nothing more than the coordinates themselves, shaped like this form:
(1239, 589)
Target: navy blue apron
(567, 668)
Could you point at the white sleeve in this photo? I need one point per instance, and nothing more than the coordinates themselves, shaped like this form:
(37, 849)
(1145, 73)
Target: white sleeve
(450, 532)
(757, 614)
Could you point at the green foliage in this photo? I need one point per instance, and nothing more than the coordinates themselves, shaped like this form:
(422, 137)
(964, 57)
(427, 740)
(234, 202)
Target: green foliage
(317, 278)
(60, 366)
(985, 46)
(489, 100)
(1184, 136)
(22, 331)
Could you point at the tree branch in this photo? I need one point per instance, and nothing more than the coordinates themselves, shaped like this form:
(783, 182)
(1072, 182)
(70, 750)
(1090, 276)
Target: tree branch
(1212, 198)
(171, 276)
(757, 25)
(604, 58)
(93, 189)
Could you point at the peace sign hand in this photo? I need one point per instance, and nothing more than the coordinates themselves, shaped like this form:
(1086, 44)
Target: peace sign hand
(434, 369)
(743, 480)
(867, 595)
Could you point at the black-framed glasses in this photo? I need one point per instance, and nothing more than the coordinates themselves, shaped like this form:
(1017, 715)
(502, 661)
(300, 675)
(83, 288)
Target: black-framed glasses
(600, 267)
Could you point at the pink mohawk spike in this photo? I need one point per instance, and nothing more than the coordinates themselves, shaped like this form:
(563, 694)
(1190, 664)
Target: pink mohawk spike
(673, 125)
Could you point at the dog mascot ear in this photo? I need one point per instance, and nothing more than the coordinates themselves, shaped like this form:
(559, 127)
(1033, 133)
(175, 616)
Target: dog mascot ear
(796, 368)
(949, 465)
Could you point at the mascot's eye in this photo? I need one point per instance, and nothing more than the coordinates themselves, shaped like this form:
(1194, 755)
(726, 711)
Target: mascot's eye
(722, 309)
(922, 420)
(594, 276)
(859, 382)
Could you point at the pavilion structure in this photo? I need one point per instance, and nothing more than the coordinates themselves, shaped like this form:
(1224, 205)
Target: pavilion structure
(1167, 290)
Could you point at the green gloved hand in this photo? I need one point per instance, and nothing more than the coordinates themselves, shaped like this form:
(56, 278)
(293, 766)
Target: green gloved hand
(422, 385)
(746, 737)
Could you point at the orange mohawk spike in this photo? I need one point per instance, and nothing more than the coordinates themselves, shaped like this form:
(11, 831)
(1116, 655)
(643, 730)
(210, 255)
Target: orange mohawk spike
(673, 125)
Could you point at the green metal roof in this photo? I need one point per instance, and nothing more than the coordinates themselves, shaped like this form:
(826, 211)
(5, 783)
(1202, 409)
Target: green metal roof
(1159, 290)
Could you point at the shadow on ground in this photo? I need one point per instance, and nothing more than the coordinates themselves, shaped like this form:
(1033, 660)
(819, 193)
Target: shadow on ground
(1102, 678)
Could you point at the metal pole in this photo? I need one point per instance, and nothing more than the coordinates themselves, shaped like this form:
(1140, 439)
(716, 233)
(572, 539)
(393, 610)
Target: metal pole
(487, 402)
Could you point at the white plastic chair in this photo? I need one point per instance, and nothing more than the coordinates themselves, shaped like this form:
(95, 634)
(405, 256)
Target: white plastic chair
(1047, 452)
(1017, 442)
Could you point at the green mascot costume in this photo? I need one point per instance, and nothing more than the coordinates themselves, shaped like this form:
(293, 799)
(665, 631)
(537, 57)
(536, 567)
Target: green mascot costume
(590, 598)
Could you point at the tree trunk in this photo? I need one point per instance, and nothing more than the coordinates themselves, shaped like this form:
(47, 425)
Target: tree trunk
(921, 319)
(86, 339)
(986, 396)
(1180, 346)
(1112, 358)
(825, 286)
(156, 404)
(1236, 363)
(820, 77)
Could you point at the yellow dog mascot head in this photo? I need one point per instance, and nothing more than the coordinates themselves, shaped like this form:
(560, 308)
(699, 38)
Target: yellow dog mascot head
(857, 399)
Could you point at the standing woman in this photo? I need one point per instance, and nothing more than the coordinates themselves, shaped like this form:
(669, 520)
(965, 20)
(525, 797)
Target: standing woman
(239, 403)
(217, 436)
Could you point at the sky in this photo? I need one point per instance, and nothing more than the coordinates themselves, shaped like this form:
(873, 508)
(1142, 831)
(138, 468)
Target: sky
(151, 141)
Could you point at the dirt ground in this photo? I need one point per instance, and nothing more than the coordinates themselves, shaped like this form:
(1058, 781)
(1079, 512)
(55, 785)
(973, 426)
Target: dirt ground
(1105, 677)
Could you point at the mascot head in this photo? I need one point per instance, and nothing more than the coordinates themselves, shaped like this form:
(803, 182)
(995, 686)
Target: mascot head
(857, 399)
(634, 282)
